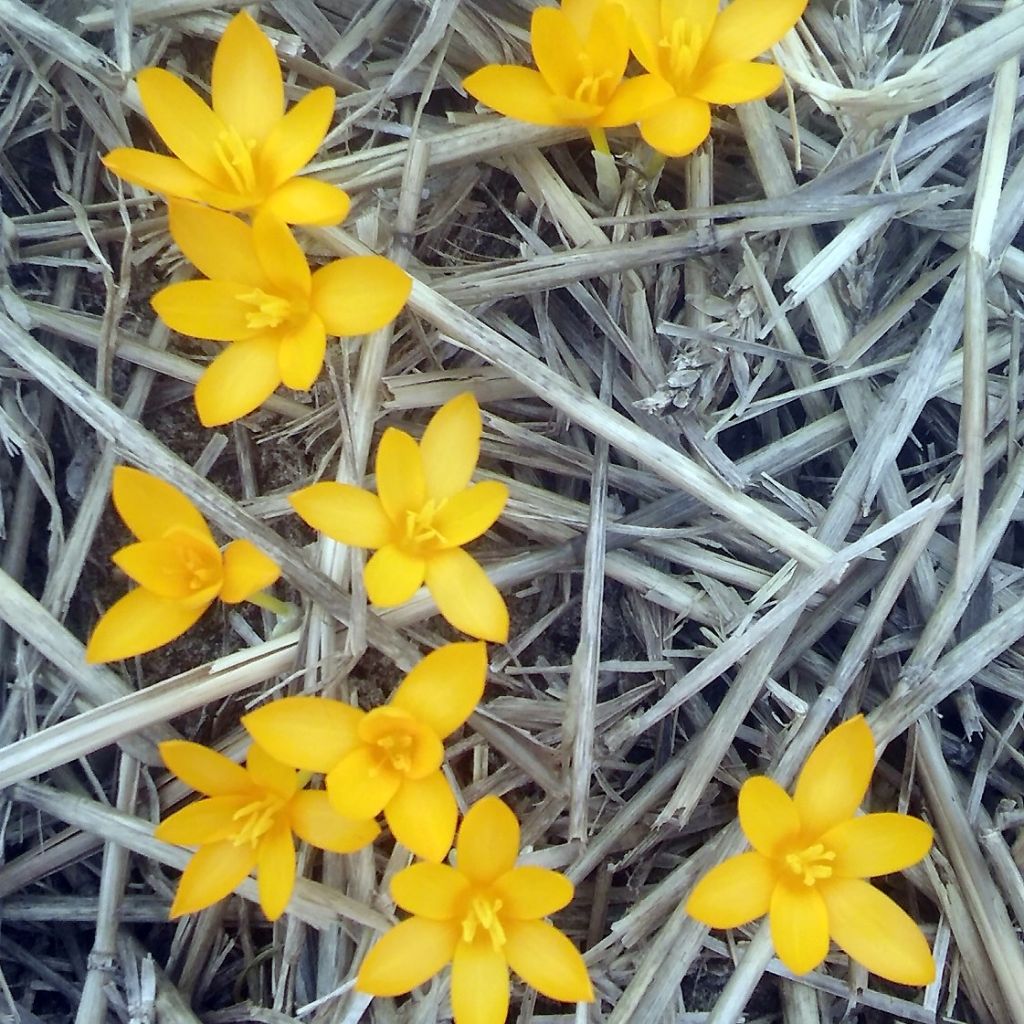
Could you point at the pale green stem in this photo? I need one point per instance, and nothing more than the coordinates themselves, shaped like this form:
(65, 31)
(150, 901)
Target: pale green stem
(282, 609)
(600, 140)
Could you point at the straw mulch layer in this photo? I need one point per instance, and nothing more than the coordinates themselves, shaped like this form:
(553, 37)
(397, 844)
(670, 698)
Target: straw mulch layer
(759, 419)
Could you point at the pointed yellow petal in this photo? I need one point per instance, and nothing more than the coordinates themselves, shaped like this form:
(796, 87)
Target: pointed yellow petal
(204, 769)
(746, 28)
(479, 983)
(735, 892)
(644, 31)
(556, 49)
(875, 932)
(677, 127)
(311, 733)
(294, 140)
(151, 507)
(443, 689)
(217, 244)
(301, 354)
(247, 571)
(799, 925)
(267, 773)
(346, 513)
(281, 257)
(581, 14)
(436, 891)
(835, 778)
(275, 870)
(164, 568)
(247, 91)
(471, 513)
(211, 874)
(392, 577)
(738, 81)
(451, 446)
(466, 597)
(182, 119)
(546, 960)
(400, 482)
(359, 294)
(407, 956)
(607, 45)
(515, 92)
(137, 623)
(314, 820)
(164, 174)
(201, 822)
(877, 844)
(488, 842)
(238, 380)
(359, 785)
(308, 201)
(529, 893)
(633, 100)
(205, 309)
(768, 815)
(422, 816)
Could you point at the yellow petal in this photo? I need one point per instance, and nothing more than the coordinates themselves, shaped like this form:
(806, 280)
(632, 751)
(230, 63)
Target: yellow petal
(451, 446)
(436, 891)
(164, 174)
(471, 513)
(301, 354)
(444, 687)
(422, 816)
(877, 844)
(203, 821)
(247, 571)
(314, 820)
(275, 871)
(247, 91)
(204, 769)
(530, 892)
(644, 31)
(346, 513)
(164, 568)
(516, 92)
(400, 482)
(556, 49)
(735, 892)
(359, 294)
(677, 127)
(875, 932)
(835, 778)
(466, 597)
(308, 201)
(151, 507)
(546, 960)
(137, 623)
(211, 874)
(281, 257)
(217, 244)
(697, 14)
(746, 28)
(392, 577)
(407, 956)
(295, 138)
(768, 815)
(182, 119)
(607, 45)
(799, 925)
(266, 772)
(738, 81)
(311, 733)
(633, 100)
(479, 983)
(205, 309)
(359, 785)
(581, 14)
(488, 842)
(238, 380)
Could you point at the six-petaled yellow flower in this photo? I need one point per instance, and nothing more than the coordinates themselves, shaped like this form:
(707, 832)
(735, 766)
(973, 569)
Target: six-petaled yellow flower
(178, 566)
(705, 56)
(262, 298)
(248, 821)
(424, 511)
(581, 50)
(388, 759)
(811, 856)
(483, 916)
(244, 152)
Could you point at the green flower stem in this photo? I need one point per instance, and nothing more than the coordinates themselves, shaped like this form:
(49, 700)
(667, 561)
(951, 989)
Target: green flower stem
(282, 609)
(600, 140)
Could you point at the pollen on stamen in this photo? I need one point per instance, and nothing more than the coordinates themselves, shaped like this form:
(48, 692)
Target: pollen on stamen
(235, 156)
(269, 310)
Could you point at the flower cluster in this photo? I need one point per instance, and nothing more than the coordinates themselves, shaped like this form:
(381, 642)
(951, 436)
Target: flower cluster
(693, 56)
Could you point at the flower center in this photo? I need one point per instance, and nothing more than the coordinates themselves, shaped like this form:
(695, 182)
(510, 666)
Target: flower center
(811, 863)
(400, 743)
(267, 310)
(593, 89)
(197, 565)
(420, 531)
(680, 50)
(235, 156)
(483, 914)
(256, 819)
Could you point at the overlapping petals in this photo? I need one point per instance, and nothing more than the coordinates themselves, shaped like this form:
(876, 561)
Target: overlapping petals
(177, 565)
(811, 856)
(241, 154)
